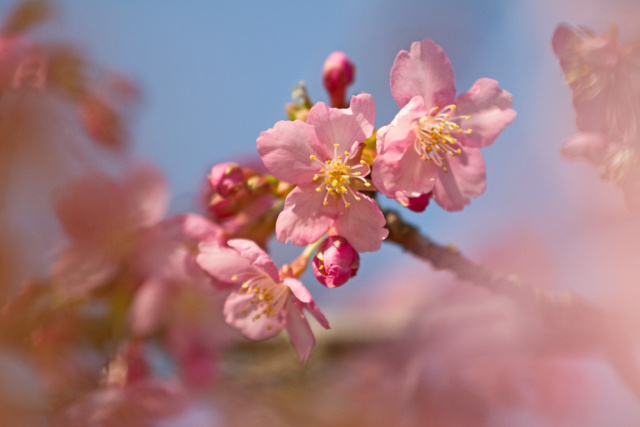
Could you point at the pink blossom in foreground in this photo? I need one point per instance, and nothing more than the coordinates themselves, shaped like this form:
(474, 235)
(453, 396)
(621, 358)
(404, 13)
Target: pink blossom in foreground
(433, 143)
(335, 262)
(322, 157)
(262, 303)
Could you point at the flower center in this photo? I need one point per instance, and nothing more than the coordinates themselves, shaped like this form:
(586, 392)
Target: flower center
(434, 138)
(338, 177)
(268, 298)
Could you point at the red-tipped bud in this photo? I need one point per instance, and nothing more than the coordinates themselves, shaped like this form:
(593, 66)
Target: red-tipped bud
(416, 204)
(227, 179)
(335, 262)
(338, 73)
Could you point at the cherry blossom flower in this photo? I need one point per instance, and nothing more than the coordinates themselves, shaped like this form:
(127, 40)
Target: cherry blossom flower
(605, 84)
(322, 157)
(105, 219)
(263, 303)
(433, 143)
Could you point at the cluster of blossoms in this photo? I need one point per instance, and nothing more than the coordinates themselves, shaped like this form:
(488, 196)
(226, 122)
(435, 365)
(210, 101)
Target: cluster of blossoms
(328, 163)
(142, 285)
(605, 82)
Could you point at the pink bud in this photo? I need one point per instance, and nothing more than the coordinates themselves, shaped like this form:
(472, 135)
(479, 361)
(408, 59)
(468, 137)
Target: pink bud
(338, 73)
(416, 204)
(226, 179)
(335, 262)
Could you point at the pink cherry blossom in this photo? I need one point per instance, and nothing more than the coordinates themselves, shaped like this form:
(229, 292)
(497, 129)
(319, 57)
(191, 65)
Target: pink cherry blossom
(433, 143)
(262, 303)
(606, 96)
(322, 157)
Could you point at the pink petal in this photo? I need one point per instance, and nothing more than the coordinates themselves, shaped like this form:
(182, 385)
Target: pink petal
(304, 218)
(561, 40)
(197, 227)
(251, 251)
(592, 147)
(344, 126)
(490, 111)
(149, 306)
(286, 149)
(222, 264)
(82, 268)
(424, 71)
(362, 224)
(298, 289)
(305, 300)
(239, 314)
(466, 178)
(146, 194)
(86, 206)
(398, 167)
(299, 332)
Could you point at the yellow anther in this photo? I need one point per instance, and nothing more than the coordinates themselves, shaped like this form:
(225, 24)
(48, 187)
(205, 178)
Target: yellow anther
(315, 177)
(362, 162)
(318, 190)
(346, 205)
(336, 145)
(346, 153)
(325, 203)
(234, 277)
(453, 107)
(312, 157)
(366, 184)
(334, 183)
(357, 198)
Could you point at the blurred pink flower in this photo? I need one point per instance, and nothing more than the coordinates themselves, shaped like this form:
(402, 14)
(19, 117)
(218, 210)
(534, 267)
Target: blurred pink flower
(105, 220)
(264, 303)
(177, 300)
(141, 404)
(605, 83)
(322, 157)
(433, 143)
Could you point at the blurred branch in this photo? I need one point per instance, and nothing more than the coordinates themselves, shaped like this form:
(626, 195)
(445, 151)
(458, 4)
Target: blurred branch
(449, 258)
(571, 322)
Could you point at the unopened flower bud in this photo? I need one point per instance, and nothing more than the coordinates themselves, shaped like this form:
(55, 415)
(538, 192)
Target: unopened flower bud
(335, 262)
(416, 204)
(258, 186)
(226, 179)
(338, 73)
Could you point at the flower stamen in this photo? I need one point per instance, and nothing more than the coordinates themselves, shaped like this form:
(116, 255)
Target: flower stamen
(433, 141)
